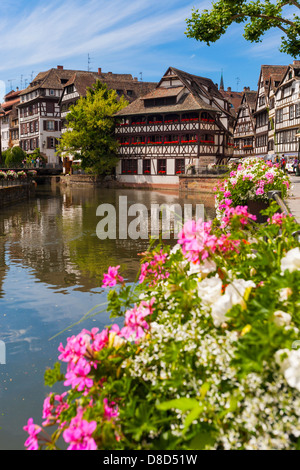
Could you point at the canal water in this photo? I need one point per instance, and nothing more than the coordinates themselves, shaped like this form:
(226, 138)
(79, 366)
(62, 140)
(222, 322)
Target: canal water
(51, 267)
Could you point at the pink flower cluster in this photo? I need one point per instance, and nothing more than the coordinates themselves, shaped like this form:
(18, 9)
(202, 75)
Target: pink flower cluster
(154, 269)
(112, 277)
(111, 410)
(33, 430)
(135, 323)
(198, 242)
(79, 433)
(277, 219)
(79, 354)
(240, 212)
(52, 411)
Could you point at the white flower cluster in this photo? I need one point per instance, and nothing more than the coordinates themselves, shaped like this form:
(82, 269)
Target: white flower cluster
(210, 293)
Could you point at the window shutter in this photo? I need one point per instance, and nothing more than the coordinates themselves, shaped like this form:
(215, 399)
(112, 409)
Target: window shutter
(45, 125)
(56, 125)
(48, 142)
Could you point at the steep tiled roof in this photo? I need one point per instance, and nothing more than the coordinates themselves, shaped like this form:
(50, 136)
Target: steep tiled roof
(163, 92)
(251, 98)
(188, 102)
(234, 97)
(121, 82)
(50, 79)
(276, 72)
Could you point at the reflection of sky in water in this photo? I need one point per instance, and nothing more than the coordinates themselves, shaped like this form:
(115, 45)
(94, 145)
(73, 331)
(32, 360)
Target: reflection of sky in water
(51, 267)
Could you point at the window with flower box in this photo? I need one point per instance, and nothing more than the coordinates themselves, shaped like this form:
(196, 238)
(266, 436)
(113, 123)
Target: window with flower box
(171, 118)
(247, 144)
(123, 122)
(190, 117)
(138, 140)
(206, 117)
(157, 119)
(188, 138)
(207, 139)
(138, 121)
(147, 166)
(171, 139)
(162, 166)
(179, 166)
(124, 140)
(155, 139)
(129, 167)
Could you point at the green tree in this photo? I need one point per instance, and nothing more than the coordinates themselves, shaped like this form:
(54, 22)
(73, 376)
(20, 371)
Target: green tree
(13, 156)
(90, 129)
(257, 16)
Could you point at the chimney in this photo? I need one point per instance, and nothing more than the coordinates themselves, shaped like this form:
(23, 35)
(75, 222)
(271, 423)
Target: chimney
(296, 62)
(60, 67)
(99, 71)
(135, 79)
(229, 88)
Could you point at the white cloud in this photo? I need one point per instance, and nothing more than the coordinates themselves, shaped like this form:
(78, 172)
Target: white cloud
(65, 29)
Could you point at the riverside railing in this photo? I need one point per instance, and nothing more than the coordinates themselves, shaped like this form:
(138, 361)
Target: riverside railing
(276, 196)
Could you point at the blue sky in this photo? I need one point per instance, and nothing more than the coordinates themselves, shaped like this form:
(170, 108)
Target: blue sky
(140, 37)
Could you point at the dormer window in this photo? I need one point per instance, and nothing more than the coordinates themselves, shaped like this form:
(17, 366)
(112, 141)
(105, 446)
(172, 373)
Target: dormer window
(69, 89)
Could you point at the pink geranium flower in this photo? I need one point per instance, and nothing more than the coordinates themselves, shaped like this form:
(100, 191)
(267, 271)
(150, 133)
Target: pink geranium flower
(78, 376)
(111, 411)
(111, 278)
(33, 430)
(79, 433)
(135, 323)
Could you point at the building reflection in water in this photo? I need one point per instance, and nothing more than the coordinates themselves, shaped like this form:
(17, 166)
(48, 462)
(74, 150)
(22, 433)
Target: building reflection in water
(55, 235)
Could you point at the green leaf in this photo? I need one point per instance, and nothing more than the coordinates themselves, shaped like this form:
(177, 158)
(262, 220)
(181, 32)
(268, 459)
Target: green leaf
(202, 441)
(183, 404)
(54, 375)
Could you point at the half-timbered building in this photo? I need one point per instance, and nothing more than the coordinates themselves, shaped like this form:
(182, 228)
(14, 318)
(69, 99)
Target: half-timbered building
(9, 120)
(124, 84)
(268, 73)
(184, 123)
(39, 113)
(244, 130)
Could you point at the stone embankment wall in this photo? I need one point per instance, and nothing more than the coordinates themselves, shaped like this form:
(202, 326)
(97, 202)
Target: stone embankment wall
(13, 194)
(199, 183)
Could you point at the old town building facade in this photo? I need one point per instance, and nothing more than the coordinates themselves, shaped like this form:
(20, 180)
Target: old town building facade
(244, 130)
(185, 123)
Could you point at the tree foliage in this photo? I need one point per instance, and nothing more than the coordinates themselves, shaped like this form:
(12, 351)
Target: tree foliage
(90, 129)
(13, 156)
(258, 17)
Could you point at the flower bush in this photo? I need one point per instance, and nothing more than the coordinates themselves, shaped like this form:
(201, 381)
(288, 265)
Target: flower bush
(3, 175)
(21, 175)
(250, 180)
(209, 353)
(31, 173)
(11, 175)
